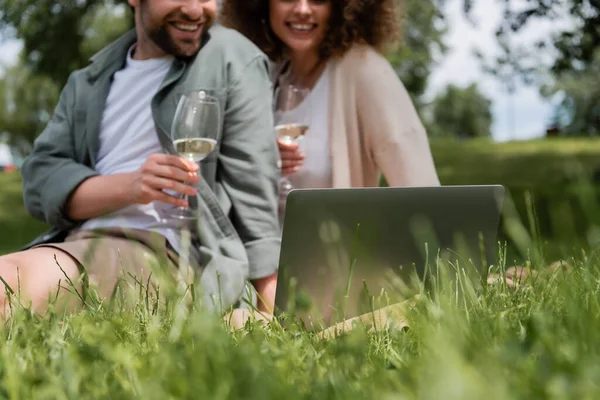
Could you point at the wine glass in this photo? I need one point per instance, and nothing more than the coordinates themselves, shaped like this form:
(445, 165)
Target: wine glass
(195, 125)
(292, 114)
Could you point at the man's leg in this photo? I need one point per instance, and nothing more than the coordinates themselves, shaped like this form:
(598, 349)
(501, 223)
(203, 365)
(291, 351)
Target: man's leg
(106, 257)
(34, 276)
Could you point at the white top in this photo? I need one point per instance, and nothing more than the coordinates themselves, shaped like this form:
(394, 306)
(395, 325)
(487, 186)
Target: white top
(128, 137)
(314, 110)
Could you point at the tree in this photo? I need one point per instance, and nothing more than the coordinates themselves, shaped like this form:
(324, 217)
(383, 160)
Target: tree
(578, 112)
(88, 25)
(573, 51)
(423, 28)
(29, 91)
(575, 45)
(460, 112)
(55, 34)
(27, 101)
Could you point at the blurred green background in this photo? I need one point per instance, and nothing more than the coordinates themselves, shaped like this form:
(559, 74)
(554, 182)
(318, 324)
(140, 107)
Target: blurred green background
(551, 180)
(538, 341)
(557, 175)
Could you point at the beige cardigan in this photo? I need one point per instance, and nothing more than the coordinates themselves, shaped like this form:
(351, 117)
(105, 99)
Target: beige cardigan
(373, 125)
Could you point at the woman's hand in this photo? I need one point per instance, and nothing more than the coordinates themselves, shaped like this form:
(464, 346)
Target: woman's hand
(291, 157)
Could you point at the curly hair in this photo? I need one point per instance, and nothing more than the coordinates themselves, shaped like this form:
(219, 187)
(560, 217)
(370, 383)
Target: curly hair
(374, 22)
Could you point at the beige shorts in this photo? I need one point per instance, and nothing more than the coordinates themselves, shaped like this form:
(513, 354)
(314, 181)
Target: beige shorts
(108, 256)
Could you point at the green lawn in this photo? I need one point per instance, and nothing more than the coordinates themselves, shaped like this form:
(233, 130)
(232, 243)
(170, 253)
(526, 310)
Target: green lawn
(552, 182)
(538, 341)
(526, 164)
(16, 227)
(555, 174)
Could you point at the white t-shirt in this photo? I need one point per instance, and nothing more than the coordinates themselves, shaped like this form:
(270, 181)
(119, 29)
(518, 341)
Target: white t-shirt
(314, 109)
(128, 137)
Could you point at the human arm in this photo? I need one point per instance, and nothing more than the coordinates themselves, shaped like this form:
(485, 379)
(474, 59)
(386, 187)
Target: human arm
(391, 126)
(249, 174)
(103, 194)
(54, 169)
(266, 288)
(62, 189)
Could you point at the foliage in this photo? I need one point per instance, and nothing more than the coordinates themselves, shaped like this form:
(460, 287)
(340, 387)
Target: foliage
(552, 183)
(27, 102)
(558, 180)
(572, 50)
(575, 45)
(91, 24)
(18, 228)
(423, 28)
(579, 108)
(539, 340)
(461, 113)
(46, 27)
(527, 164)
(559, 177)
(29, 91)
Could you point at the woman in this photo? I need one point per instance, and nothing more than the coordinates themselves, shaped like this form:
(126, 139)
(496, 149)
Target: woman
(363, 121)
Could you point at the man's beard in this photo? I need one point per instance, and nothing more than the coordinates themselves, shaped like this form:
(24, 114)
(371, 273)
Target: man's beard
(161, 37)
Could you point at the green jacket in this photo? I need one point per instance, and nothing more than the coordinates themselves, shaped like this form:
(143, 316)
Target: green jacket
(239, 228)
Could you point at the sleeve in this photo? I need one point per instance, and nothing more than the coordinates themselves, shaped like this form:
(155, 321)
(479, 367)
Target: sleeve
(50, 172)
(248, 167)
(392, 128)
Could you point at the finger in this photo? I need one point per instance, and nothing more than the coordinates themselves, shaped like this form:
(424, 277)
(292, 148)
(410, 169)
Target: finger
(175, 161)
(158, 195)
(287, 146)
(291, 163)
(170, 172)
(288, 155)
(158, 183)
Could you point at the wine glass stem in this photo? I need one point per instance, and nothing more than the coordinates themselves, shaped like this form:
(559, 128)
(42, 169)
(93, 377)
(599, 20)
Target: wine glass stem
(183, 197)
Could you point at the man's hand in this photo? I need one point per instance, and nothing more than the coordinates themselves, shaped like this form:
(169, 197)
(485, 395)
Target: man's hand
(107, 193)
(164, 172)
(266, 288)
(291, 158)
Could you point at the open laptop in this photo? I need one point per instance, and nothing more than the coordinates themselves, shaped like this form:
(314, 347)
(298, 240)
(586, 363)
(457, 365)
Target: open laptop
(345, 252)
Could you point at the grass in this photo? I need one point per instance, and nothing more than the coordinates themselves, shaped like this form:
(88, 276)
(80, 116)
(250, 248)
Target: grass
(539, 340)
(557, 180)
(551, 170)
(16, 227)
(539, 164)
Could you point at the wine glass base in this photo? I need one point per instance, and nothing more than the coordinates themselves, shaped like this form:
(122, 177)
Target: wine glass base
(285, 186)
(182, 213)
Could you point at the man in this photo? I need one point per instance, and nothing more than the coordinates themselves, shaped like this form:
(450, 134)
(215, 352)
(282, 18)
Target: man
(101, 170)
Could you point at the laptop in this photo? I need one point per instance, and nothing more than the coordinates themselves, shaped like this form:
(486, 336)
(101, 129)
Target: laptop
(346, 252)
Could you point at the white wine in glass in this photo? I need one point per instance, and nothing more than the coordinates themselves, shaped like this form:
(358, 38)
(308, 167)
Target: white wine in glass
(194, 149)
(292, 110)
(289, 133)
(193, 132)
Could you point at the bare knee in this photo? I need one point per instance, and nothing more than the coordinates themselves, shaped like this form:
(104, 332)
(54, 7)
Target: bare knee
(34, 276)
(9, 265)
